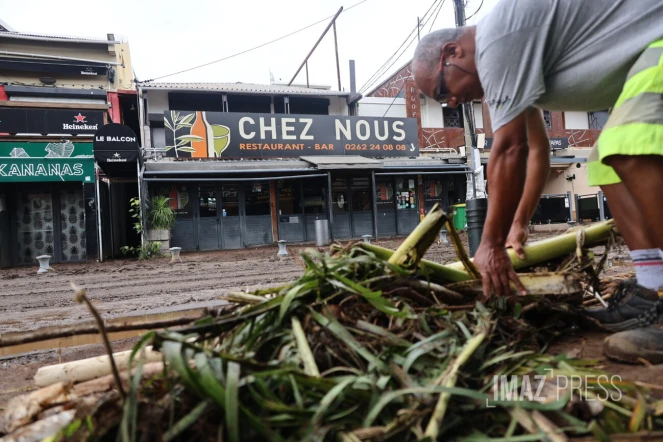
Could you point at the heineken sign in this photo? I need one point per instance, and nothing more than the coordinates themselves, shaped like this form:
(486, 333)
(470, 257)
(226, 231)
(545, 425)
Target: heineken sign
(41, 162)
(50, 121)
(241, 135)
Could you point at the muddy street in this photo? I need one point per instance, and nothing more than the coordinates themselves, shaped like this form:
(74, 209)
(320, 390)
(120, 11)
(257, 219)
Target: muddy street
(134, 288)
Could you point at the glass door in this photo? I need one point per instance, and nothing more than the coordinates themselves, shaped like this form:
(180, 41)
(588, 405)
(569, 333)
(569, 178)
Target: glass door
(291, 220)
(208, 218)
(72, 225)
(341, 208)
(256, 214)
(35, 227)
(182, 202)
(407, 210)
(362, 207)
(230, 217)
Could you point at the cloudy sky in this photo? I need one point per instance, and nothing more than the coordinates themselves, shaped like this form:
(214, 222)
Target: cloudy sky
(167, 36)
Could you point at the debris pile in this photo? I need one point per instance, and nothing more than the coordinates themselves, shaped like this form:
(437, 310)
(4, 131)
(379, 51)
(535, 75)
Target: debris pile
(367, 344)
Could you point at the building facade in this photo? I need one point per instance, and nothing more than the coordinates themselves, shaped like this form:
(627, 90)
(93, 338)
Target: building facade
(247, 165)
(56, 92)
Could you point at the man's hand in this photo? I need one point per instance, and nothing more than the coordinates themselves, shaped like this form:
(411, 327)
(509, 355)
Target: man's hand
(496, 271)
(517, 239)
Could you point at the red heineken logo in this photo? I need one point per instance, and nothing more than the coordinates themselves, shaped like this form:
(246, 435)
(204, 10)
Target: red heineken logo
(79, 118)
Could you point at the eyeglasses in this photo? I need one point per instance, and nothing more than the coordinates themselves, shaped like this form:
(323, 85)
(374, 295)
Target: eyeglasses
(441, 93)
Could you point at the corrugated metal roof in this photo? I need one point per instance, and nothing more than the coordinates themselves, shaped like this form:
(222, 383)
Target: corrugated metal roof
(250, 88)
(343, 162)
(70, 38)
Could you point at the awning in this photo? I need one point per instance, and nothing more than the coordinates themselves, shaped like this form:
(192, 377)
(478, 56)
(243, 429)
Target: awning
(164, 168)
(340, 162)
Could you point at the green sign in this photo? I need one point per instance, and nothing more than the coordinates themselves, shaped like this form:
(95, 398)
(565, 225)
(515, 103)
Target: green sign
(39, 162)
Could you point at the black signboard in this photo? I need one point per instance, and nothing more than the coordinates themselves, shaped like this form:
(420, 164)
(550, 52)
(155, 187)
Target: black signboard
(50, 121)
(241, 135)
(115, 143)
(53, 67)
(555, 143)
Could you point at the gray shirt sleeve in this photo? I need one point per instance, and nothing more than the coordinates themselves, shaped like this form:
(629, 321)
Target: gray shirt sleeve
(511, 73)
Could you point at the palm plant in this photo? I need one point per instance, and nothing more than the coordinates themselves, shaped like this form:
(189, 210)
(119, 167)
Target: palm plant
(160, 216)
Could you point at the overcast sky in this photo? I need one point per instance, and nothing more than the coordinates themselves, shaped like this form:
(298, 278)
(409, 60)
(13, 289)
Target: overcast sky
(166, 36)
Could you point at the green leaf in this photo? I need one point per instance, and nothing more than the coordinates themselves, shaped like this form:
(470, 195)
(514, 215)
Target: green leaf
(346, 337)
(329, 398)
(186, 421)
(232, 396)
(187, 118)
(186, 149)
(167, 124)
(190, 138)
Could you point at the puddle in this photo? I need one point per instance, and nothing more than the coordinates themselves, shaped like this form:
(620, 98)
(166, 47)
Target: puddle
(74, 341)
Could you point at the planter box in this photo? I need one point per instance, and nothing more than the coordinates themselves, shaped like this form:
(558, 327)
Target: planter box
(163, 236)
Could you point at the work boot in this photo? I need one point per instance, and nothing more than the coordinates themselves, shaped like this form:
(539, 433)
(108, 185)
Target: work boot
(629, 346)
(624, 308)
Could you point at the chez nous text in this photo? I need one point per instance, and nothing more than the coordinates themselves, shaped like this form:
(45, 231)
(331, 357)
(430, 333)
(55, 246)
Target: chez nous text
(361, 130)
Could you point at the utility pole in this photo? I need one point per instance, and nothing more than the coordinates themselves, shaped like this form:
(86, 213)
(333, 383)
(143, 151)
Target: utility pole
(476, 208)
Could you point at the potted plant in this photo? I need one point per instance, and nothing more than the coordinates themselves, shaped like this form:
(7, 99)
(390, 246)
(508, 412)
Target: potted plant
(160, 219)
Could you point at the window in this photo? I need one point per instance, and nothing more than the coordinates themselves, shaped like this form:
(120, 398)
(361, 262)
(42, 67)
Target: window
(452, 117)
(478, 115)
(597, 120)
(547, 118)
(576, 120)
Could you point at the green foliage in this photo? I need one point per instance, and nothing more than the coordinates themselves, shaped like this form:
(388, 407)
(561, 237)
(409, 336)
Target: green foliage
(160, 216)
(134, 212)
(150, 250)
(183, 142)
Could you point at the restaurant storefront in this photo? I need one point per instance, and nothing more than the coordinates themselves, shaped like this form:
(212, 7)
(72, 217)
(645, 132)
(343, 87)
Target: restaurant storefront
(46, 201)
(239, 180)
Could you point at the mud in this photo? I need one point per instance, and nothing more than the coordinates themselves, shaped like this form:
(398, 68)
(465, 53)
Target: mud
(131, 288)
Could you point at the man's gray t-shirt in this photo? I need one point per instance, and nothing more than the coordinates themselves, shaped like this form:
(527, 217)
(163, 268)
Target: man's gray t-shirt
(561, 54)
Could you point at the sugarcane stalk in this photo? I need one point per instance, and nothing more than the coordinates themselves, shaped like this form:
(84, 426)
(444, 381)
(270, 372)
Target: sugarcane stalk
(448, 381)
(461, 252)
(551, 248)
(244, 298)
(413, 248)
(438, 272)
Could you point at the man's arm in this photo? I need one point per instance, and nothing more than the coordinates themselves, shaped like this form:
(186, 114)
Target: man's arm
(538, 170)
(506, 177)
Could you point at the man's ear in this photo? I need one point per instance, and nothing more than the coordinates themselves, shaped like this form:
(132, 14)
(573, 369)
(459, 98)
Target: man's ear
(450, 49)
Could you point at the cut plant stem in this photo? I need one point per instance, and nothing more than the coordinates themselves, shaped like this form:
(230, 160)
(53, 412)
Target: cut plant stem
(413, 248)
(461, 252)
(438, 272)
(555, 247)
(310, 367)
(80, 297)
(449, 380)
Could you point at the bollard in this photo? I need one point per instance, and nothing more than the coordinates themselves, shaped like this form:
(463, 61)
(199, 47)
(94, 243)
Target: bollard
(44, 265)
(175, 254)
(367, 238)
(443, 236)
(476, 210)
(282, 250)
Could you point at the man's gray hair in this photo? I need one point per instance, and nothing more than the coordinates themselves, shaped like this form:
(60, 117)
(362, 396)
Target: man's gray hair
(429, 49)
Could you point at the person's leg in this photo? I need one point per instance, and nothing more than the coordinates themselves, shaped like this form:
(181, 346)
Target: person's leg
(631, 222)
(643, 177)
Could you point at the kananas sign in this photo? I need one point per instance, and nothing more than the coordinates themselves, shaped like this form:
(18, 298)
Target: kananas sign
(239, 135)
(40, 162)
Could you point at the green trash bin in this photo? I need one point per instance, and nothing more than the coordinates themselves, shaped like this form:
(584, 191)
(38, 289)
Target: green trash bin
(460, 218)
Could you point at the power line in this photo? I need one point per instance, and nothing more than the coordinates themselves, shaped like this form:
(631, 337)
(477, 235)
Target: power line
(255, 47)
(435, 19)
(475, 12)
(382, 68)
